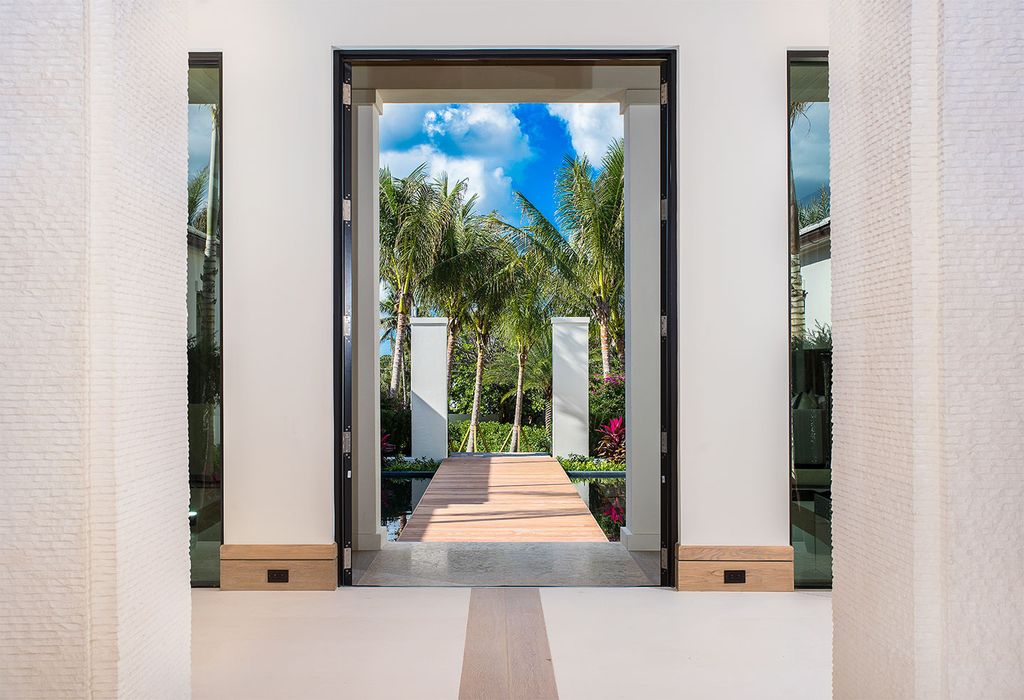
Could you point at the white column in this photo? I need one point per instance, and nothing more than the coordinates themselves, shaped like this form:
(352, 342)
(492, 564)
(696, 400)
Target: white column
(429, 379)
(369, 533)
(928, 321)
(643, 320)
(93, 391)
(570, 379)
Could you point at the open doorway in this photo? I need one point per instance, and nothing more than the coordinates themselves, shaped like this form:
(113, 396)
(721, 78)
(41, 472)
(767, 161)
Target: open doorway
(505, 371)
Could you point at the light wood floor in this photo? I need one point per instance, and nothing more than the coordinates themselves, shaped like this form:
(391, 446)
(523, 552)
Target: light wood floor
(501, 499)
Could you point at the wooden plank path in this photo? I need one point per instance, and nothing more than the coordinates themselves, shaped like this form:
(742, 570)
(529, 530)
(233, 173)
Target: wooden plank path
(501, 498)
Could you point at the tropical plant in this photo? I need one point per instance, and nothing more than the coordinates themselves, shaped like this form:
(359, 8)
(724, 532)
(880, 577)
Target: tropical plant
(463, 245)
(407, 249)
(607, 401)
(817, 210)
(396, 423)
(495, 437)
(489, 286)
(525, 320)
(588, 250)
(580, 463)
(504, 371)
(613, 440)
(404, 464)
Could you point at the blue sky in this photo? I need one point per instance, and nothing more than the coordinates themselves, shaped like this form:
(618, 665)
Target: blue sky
(500, 148)
(200, 128)
(810, 151)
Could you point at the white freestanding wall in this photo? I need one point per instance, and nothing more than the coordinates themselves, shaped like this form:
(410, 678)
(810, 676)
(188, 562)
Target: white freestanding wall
(570, 386)
(429, 383)
(733, 318)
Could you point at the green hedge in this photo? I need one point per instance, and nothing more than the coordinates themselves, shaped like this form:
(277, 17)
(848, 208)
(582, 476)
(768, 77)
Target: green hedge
(493, 437)
(420, 464)
(579, 463)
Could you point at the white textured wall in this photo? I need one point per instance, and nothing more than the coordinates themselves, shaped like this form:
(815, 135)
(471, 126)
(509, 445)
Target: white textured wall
(94, 598)
(928, 321)
(734, 418)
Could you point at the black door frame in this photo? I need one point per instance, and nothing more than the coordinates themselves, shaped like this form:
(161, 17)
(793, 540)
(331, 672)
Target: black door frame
(342, 88)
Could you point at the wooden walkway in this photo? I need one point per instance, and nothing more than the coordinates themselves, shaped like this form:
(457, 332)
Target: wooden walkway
(506, 498)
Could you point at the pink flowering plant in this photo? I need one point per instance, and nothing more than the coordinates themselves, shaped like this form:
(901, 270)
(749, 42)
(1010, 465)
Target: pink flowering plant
(612, 445)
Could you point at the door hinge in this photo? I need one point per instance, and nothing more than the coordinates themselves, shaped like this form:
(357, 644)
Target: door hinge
(664, 93)
(346, 326)
(664, 209)
(664, 442)
(346, 210)
(346, 442)
(664, 326)
(664, 558)
(346, 558)
(346, 94)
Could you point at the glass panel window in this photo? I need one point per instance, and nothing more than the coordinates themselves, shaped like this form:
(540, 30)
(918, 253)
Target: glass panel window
(203, 233)
(810, 284)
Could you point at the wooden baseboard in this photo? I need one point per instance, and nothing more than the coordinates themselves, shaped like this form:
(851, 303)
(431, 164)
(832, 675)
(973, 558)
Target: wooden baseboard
(732, 568)
(264, 567)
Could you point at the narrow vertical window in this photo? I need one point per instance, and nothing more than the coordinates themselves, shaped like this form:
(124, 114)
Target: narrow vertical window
(810, 286)
(203, 233)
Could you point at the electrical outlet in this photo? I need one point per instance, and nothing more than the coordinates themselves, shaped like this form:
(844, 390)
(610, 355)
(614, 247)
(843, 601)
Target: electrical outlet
(277, 575)
(735, 575)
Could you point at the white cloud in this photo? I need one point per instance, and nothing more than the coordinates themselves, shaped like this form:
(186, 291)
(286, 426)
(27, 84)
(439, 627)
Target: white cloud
(492, 130)
(488, 181)
(476, 142)
(591, 127)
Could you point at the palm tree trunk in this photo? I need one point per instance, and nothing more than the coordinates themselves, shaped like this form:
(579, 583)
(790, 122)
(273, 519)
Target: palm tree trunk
(453, 330)
(619, 347)
(517, 422)
(606, 359)
(397, 350)
(796, 286)
(474, 419)
(208, 308)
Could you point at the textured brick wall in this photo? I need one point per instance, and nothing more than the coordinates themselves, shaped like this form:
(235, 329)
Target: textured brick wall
(928, 304)
(93, 442)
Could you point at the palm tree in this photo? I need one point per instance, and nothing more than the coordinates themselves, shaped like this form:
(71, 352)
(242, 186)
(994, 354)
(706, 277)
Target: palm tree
(463, 245)
(407, 249)
(489, 284)
(524, 321)
(590, 254)
(796, 286)
(536, 377)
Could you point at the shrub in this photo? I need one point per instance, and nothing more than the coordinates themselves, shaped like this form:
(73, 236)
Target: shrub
(494, 437)
(420, 464)
(607, 401)
(579, 463)
(613, 440)
(396, 424)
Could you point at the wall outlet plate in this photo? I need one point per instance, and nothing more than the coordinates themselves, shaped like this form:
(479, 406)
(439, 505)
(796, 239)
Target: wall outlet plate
(277, 575)
(735, 576)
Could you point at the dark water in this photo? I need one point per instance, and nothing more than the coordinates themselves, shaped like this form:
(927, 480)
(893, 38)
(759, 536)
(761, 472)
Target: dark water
(605, 497)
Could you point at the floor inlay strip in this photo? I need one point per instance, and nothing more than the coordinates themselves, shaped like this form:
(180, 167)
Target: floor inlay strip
(507, 655)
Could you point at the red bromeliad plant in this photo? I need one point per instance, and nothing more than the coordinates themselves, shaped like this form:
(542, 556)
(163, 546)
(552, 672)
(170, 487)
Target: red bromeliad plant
(615, 512)
(613, 440)
(386, 447)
